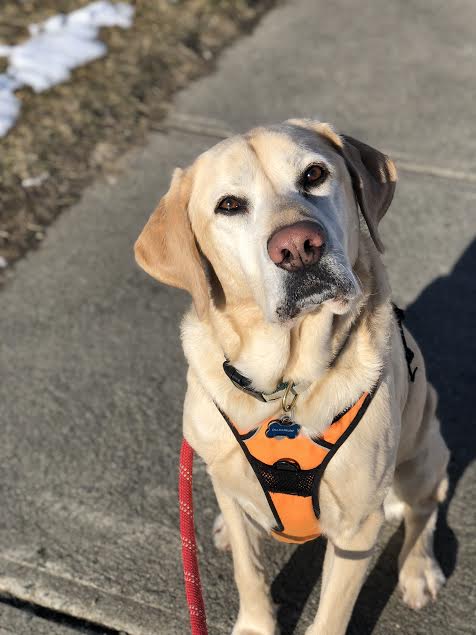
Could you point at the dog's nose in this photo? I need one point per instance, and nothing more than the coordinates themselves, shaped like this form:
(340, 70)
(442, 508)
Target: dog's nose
(296, 246)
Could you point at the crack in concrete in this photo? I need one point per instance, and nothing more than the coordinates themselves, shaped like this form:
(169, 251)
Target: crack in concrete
(59, 617)
(78, 599)
(66, 578)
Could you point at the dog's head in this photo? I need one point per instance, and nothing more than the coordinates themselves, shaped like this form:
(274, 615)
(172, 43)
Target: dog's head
(270, 216)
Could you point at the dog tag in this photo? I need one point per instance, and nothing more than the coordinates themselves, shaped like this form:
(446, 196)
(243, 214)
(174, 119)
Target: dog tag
(283, 428)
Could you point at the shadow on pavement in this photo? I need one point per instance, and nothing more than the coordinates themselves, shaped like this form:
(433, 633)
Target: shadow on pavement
(295, 582)
(442, 320)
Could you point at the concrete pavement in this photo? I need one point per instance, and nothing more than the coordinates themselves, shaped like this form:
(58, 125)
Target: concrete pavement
(91, 368)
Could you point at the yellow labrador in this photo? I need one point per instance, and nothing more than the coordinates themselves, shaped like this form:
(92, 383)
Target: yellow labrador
(289, 290)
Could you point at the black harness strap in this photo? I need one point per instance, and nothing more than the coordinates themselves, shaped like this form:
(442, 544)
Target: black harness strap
(321, 468)
(251, 460)
(409, 354)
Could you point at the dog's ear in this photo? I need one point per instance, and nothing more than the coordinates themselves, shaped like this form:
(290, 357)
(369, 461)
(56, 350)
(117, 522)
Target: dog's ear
(166, 248)
(374, 177)
(373, 174)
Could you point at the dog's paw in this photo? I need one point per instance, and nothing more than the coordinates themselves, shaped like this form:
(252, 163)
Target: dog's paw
(220, 534)
(420, 580)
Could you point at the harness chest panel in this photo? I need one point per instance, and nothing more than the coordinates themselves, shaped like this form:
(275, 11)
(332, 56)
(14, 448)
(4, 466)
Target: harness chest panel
(289, 466)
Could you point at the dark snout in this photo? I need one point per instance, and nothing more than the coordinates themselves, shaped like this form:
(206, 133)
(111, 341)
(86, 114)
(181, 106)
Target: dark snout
(296, 246)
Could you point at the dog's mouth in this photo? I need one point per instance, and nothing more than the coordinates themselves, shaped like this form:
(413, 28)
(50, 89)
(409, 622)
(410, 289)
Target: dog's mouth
(307, 289)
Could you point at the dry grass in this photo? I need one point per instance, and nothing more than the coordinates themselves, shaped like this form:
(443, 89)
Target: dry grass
(67, 135)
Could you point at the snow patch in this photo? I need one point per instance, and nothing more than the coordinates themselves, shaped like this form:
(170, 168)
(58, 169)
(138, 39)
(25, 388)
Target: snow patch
(55, 47)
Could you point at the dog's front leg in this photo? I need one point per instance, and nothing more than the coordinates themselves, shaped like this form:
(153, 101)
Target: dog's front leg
(256, 615)
(347, 559)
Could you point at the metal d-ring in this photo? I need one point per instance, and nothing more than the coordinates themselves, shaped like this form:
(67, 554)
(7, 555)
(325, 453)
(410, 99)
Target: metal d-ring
(289, 406)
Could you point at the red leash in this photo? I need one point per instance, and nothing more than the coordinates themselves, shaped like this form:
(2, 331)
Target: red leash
(191, 574)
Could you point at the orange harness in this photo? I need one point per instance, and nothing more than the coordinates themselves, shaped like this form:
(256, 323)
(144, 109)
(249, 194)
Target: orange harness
(289, 467)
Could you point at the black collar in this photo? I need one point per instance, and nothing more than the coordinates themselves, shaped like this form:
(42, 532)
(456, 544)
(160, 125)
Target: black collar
(245, 384)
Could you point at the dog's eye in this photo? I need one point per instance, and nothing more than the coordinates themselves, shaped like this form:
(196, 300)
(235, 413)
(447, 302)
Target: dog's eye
(312, 176)
(231, 205)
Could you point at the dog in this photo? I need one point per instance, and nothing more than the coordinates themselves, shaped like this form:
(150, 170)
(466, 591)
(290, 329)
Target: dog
(292, 338)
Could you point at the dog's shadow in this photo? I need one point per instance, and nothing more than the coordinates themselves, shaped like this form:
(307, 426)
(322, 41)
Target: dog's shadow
(442, 320)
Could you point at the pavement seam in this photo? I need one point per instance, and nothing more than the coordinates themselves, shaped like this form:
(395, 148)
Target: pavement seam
(57, 617)
(202, 126)
(82, 583)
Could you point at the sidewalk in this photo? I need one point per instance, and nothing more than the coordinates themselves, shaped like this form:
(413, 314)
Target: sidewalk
(92, 374)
